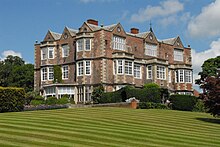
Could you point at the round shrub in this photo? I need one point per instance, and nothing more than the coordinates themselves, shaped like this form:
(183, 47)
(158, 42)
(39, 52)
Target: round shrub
(51, 101)
(63, 100)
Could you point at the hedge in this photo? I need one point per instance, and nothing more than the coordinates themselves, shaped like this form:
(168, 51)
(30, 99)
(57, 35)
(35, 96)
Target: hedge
(149, 94)
(12, 99)
(183, 102)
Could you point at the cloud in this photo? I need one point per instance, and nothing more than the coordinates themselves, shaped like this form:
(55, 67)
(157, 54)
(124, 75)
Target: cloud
(5, 53)
(200, 57)
(166, 8)
(207, 22)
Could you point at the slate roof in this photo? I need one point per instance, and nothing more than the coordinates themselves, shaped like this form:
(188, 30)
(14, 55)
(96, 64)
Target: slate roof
(72, 31)
(55, 35)
(141, 35)
(95, 27)
(170, 41)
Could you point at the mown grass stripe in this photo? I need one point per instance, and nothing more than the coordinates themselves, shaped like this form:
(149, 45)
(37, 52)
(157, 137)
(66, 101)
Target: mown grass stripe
(117, 125)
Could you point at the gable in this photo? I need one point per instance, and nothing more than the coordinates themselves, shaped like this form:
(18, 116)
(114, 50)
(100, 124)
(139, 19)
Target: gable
(178, 43)
(119, 30)
(49, 37)
(151, 38)
(66, 34)
(85, 28)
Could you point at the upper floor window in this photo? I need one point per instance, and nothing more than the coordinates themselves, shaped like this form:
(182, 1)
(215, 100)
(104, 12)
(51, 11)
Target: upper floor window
(83, 44)
(128, 67)
(44, 73)
(50, 52)
(118, 43)
(84, 67)
(188, 76)
(161, 72)
(178, 55)
(87, 67)
(119, 66)
(183, 76)
(151, 50)
(65, 50)
(149, 72)
(50, 73)
(47, 53)
(169, 76)
(65, 72)
(137, 71)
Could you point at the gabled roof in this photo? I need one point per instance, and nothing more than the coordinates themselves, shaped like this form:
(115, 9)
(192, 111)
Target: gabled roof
(141, 35)
(170, 41)
(72, 31)
(55, 35)
(95, 27)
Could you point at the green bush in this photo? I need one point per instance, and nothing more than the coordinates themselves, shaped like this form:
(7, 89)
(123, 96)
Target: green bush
(152, 105)
(199, 106)
(51, 101)
(183, 102)
(72, 101)
(63, 100)
(11, 99)
(37, 102)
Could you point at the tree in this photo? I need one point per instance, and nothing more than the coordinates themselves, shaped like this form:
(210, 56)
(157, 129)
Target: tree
(209, 68)
(210, 83)
(15, 73)
(211, 94)
(97, 93)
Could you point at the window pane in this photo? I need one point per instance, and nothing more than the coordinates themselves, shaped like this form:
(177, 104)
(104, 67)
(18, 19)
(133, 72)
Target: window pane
(151, 50)
(118, 43)
(88, 47)
(178, 55)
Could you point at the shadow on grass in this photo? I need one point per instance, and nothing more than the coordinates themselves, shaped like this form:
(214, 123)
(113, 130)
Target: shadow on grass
(210, 120)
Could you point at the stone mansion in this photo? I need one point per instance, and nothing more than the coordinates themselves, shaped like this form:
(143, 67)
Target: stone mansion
(97, 54)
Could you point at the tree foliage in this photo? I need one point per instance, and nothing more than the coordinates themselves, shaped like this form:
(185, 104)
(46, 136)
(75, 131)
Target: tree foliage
(15, 73)
(57, 74)
(210, 83)
(97, 93)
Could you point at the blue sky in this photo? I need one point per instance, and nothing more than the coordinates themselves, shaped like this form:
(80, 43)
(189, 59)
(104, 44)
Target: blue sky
(196, 22)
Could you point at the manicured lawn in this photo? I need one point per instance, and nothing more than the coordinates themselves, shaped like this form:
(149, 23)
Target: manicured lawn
(109, 127)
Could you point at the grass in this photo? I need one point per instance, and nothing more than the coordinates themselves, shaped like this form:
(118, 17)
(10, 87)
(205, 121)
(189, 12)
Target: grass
(109, 127)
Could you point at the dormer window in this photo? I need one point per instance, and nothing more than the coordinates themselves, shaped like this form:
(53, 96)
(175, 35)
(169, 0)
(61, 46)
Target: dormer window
(118, 43)
(178, 55)
(151, 50)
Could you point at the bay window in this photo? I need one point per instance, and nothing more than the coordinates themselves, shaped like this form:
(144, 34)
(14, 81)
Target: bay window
(83, 44)
(183, 75)
(137, 71)
(161, 72)
(84, 67)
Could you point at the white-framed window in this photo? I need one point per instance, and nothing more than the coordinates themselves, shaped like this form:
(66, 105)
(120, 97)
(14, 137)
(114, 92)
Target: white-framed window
(181, 76)
(119, 66)
(43, 53)
(87, 67)
(65, 50)
(169, 76)
(47, 53)
(87, 44)
(151, 50)
(128, 67)
(188, 76)
(88, 93)
(44, 73)
(83, 44)
(137, 71)
(50, 73)
(65, 72)
(149, 72)
(178, 55)
(50, 91)
(79, 45)
(161, 72)
(118, 43)
(80, 68)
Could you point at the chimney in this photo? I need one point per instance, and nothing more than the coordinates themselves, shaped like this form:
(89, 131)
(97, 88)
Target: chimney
(134, 30)
(92, 21)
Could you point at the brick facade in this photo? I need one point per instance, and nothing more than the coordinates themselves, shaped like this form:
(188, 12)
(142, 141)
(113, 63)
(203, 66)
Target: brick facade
(113, 57)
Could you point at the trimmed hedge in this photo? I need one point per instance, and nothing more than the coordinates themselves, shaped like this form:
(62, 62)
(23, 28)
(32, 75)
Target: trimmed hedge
(151, 105)
(12, 99)
(183, 102)
(149, 94)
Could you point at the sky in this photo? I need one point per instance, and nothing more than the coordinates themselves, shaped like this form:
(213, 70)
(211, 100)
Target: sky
(197, 22)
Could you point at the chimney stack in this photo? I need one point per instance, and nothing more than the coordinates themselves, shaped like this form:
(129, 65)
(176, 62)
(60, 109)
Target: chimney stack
(92, 21)
(134, 30)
